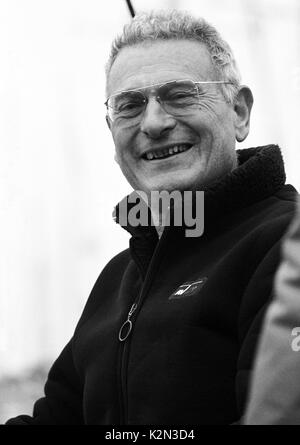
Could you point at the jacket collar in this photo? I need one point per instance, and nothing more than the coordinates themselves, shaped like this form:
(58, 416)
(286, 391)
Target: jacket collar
(260, 174)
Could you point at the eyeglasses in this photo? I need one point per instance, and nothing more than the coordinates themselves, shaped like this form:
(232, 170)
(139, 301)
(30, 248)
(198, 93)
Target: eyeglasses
(177, 97)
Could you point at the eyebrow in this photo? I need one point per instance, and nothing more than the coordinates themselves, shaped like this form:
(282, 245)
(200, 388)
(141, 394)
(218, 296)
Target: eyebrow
(170, 81)
(150, 86)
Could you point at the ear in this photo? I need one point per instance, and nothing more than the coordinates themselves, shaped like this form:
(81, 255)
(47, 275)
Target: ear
(108, 121)
(242, 108)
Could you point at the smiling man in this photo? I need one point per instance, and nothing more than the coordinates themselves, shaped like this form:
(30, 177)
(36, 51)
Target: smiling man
(169, 331)
(185, 149)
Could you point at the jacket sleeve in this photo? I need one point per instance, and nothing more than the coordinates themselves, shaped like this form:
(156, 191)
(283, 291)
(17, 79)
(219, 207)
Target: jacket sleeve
(63, 401)
(62, 404)
(253, 308)
(275, 395)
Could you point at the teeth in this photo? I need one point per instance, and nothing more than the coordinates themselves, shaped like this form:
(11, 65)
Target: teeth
(166, 152)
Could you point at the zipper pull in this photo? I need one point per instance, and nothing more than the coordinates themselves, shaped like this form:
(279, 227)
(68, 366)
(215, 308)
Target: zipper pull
(127, 325)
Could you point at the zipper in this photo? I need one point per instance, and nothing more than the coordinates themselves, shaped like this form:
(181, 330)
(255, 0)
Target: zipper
(124, 333)
(126, 329)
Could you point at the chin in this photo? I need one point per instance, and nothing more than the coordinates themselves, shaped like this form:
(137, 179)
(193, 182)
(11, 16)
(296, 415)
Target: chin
(170, 187)
(173, 182)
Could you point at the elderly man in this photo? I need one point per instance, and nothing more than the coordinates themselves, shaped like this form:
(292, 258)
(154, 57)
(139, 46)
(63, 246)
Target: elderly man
(170, 328)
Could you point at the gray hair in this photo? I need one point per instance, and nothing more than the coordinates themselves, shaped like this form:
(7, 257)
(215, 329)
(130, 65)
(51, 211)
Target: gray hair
(174, 24)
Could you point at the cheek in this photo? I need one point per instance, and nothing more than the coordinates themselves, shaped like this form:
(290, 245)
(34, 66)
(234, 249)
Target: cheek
(124, 143)
(124, 153)
(117, 140)
(216, 115)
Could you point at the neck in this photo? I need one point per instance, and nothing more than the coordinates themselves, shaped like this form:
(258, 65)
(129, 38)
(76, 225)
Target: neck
(158, 220)
(159, 230)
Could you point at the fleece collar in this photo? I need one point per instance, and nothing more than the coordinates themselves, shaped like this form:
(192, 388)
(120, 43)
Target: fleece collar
(260, 174)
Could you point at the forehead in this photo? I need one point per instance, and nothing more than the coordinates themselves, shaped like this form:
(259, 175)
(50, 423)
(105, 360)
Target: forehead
(160, 61)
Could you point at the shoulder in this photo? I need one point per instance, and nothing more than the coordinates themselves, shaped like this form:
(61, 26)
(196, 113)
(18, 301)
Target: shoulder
(287, 195)
(280, 210)
(274, 214)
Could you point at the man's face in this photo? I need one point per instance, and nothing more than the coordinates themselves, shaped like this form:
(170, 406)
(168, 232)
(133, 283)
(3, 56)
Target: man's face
(206, 136)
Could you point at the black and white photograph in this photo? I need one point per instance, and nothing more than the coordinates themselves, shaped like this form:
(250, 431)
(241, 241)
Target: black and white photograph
(149, 215)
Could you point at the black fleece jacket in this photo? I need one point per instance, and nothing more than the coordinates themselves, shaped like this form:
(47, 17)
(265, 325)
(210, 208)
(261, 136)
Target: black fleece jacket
(200, 303)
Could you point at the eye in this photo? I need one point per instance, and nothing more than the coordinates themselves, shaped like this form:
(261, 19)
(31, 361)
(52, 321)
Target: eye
(127, 106)
(180, 94)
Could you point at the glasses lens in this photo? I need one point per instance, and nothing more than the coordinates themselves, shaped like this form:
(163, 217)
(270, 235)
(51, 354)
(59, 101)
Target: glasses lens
(179, 97)
(126, 105)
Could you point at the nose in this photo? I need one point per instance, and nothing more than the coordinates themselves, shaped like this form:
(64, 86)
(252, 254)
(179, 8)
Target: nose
(156, 122)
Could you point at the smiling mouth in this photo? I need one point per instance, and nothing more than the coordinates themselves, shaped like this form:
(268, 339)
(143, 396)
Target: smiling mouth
(166, 152)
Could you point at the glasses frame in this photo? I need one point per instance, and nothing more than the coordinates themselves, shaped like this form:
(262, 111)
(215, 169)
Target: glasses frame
(200, 82)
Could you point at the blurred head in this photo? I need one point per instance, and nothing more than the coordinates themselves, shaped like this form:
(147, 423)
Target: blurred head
(175, 135)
